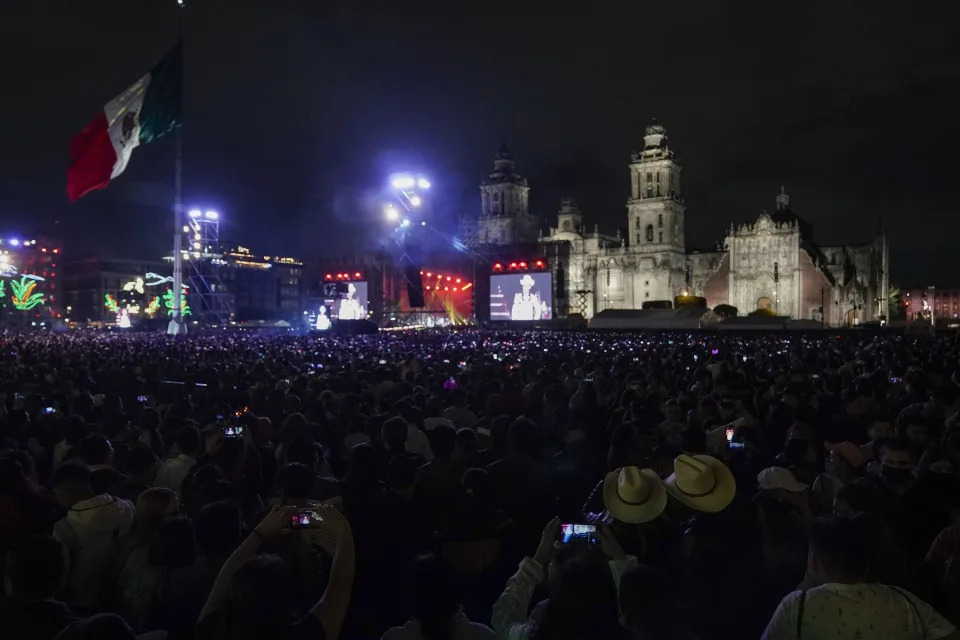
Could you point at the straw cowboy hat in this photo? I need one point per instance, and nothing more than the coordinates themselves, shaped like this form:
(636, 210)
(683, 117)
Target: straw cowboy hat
(527, 280)
(701, 482)
(634, 495)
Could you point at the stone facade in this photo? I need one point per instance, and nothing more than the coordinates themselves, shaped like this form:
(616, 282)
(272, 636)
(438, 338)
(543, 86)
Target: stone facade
(771, 263)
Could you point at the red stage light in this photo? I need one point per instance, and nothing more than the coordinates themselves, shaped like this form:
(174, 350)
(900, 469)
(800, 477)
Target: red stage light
(446, 288)
(454, 288)
(429, 274)
(523, 265)
(448, 278)
(498, 267)
(513, 265)
(458, 280)
(328, 277)
(427, 287)
(539, 263)
(357, 275)
(421, 273)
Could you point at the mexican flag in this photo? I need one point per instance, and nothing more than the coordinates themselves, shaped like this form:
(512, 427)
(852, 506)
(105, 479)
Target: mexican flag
(148, 110)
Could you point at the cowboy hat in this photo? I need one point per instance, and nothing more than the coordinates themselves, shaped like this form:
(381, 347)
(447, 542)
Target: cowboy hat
(773, 478)
(701, 482)
(526, 279)
(634, 495)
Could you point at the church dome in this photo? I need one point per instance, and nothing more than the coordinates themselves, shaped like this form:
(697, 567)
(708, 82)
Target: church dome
(654, 136)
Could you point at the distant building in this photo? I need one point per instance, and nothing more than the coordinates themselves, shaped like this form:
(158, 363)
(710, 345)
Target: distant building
(772, 263)
(88, 282)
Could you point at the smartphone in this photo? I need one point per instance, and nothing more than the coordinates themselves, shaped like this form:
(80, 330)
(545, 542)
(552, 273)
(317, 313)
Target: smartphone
(735, 445)
(383, 362)
(730, 431)
(578, 533)
(233, 431)
(463, 364)
(714, 352)
(18, 396)
(895, 380)
(588, 379)
(142, 399)
(305, 518)
(49, 411)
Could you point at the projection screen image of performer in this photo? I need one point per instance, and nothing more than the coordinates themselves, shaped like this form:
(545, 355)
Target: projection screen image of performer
(350, 307)
(527, 305)
(323, 320)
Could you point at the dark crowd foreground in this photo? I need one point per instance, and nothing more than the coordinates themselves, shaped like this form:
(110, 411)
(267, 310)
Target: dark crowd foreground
(732, 487)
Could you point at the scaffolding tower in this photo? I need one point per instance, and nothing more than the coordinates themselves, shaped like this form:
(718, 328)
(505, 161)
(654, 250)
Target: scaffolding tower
(212, 301)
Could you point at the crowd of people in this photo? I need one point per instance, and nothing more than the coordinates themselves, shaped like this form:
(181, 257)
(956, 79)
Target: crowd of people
(464, 485)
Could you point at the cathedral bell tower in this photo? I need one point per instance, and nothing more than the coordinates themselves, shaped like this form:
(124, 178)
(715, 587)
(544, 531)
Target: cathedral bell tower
(655, 210)
(505, 215)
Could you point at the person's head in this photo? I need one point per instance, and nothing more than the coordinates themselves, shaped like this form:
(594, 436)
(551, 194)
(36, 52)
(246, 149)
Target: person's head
(458, 398)
(188, 441)
(35, 567)
(583, 597)
(918, 434)
(839, 549)
(156, 504)
(467, 443)
(500, 433)
(523, 437)
(434, 597)
(142, 463)
(898, 461)
(230, 456)
(218, 527)
(302, 449)
(673, 412)
(394, 434)
(401, 474)
(443, 440)
(71, 483)
(260, 599)
(295, 481)
(95, 449)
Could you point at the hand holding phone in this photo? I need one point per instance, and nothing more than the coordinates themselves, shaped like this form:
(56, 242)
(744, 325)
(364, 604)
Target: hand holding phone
(730, 432)
(233, 431)
(570, 533)
(306, 518)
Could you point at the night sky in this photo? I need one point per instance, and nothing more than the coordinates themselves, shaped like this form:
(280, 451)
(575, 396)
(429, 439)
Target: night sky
(297, 111)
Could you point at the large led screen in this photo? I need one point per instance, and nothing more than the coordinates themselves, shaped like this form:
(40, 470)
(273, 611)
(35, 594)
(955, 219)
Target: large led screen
(350, 305)
(521, 296)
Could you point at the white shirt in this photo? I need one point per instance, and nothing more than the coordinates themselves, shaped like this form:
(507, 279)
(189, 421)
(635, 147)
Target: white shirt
(866, 611)
(461, 417)
(460, 629)
(173, 471)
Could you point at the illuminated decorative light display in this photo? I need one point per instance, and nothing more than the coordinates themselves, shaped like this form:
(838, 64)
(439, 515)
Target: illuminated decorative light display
(168, 302)
(111, 304)
(24, 295)
(153, 306)
(134, 285)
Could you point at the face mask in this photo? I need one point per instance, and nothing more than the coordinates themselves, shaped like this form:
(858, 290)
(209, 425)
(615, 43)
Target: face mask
(896, 476)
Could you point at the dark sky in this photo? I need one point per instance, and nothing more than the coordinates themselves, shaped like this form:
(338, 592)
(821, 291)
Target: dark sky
(296, 112)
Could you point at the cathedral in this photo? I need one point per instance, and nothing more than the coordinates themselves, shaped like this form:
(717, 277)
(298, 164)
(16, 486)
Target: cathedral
(772, 263)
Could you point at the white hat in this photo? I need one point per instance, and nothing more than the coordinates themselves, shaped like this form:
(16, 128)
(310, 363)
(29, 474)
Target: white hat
(779, 478)
(701, 482)
(527, 280)
(634, 495)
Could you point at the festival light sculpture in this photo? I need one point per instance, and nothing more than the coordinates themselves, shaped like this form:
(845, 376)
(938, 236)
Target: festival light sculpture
(168, 302)
(24, 295)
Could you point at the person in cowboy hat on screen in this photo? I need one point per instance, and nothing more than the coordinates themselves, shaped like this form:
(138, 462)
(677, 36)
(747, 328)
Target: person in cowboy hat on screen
(526, 305)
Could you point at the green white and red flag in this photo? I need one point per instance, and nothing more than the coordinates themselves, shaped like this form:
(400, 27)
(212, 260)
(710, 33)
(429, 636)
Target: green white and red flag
(146, 111)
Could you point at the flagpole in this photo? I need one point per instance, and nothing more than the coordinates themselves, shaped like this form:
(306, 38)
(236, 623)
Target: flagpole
(176, 325)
